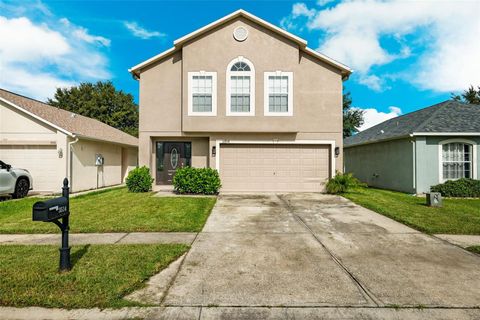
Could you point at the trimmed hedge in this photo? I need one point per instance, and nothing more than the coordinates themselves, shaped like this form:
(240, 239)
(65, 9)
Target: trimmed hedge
(190, 180)
(462, 188)
(139, 180)
(343, 182)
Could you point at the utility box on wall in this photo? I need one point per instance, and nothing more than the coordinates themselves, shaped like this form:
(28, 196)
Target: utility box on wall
(99, 160)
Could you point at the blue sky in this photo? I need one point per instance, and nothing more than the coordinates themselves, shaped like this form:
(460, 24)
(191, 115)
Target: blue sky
(406, 54)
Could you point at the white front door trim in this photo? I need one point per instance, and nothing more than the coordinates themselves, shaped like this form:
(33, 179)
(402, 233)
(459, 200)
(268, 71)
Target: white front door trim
(218, 143)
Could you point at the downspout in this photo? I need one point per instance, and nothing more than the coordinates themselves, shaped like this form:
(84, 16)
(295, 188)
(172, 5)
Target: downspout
(70, 160)
(414, 155)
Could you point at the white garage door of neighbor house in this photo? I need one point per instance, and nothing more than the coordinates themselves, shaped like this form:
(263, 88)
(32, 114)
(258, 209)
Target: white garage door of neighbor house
(40, 161)
(275, 167)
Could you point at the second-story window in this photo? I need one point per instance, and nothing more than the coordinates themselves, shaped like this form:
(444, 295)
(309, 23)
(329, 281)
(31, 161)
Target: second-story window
(278, 90)
(240, 88)
(202, 93)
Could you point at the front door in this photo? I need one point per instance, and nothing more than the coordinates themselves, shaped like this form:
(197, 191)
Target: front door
(171, 156)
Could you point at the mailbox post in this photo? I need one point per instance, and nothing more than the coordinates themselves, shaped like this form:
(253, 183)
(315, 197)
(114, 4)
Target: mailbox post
(52, 211)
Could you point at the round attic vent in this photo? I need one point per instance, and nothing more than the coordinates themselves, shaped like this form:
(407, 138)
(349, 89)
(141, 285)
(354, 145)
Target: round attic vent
(240, 33)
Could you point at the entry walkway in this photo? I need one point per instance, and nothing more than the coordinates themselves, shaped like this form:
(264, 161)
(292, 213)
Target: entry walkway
(101, 238)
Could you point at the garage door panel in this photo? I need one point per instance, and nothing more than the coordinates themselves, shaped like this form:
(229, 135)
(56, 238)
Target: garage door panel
(40, 161)
(274, 167)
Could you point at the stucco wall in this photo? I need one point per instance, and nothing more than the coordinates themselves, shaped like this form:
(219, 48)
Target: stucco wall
(387, 165)
(428, 162)
(88, 176)
(16, 126)
(317, 87)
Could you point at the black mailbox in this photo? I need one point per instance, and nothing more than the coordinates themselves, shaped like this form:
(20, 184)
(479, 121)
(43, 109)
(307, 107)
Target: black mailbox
(50, 210)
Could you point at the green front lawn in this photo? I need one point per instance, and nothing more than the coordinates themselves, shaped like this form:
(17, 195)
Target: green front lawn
(114, 210)
(457, 216)
(101, 274)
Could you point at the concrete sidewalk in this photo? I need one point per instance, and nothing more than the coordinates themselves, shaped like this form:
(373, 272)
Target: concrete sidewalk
(101, 238)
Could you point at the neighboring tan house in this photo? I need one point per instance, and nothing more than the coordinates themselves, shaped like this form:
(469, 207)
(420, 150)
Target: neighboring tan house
(247, 98)
(412, 152)
(53, 144)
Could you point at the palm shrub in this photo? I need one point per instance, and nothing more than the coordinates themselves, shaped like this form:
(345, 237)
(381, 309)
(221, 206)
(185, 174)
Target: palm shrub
(139, 180)
(343, 182)
(190, 180)
(466, 188)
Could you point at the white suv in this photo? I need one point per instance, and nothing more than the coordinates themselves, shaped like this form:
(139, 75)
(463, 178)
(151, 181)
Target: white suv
(14, 181)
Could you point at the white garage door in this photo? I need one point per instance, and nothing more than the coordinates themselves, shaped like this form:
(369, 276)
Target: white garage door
(40, 161)
(250, 167)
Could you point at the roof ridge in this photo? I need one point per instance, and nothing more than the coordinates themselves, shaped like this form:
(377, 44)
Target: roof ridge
(302, 43)
(439, 106)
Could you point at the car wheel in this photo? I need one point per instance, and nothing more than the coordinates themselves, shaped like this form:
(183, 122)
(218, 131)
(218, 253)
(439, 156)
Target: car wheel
(21, 188)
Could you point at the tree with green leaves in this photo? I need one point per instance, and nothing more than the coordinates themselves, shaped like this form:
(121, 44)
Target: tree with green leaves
(352, 117)
(100, 101)
(470, 96)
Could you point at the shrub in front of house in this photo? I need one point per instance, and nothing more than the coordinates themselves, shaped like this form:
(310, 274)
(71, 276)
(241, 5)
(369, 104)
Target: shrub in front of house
(462, 188)
(139, 180)
(343, 182)
(190, 180)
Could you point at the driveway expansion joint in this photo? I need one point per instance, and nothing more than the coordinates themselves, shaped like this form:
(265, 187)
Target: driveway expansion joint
(362, 288)
(122, 237)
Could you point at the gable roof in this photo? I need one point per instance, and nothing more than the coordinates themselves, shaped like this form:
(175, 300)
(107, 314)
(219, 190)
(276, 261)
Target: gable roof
(72, 124)
(136, 70)
(446, 118)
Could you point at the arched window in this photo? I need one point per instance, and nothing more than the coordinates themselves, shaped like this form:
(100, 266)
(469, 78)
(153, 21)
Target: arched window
(456, 160)
(240, 88)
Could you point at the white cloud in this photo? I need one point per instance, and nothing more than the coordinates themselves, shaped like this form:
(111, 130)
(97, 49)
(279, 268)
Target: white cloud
(321, 3)
(83, 34)
(443, 38)
(36, 57)
(140, 32)
(301, 9)
(374, 82)
(298, 10)
(372, 116)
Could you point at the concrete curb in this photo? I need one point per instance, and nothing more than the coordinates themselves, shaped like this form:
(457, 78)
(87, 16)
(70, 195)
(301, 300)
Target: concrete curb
(37, 313)
(100, 238)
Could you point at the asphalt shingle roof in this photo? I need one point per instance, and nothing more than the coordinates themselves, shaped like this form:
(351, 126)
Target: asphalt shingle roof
(68, 121)
(446, 117)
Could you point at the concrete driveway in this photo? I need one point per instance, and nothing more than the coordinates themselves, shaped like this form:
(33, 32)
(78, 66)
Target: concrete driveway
(313, 250)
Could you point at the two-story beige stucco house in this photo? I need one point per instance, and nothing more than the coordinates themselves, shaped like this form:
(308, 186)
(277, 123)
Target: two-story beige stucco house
(247, 98)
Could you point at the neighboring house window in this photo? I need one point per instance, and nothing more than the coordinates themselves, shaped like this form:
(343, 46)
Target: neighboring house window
(456, 160)
(202, 93)
(278, 88)
(240, 88)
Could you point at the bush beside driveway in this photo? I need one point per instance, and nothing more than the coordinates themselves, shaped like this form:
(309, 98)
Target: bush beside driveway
(457, 216)
(115, 210)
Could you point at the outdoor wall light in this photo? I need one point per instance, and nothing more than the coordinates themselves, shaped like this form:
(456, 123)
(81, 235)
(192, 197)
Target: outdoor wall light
(214, 151)
(337, 151)
(60, 153)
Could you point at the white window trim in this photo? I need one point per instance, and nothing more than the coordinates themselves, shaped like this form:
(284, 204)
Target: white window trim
(250, 73)
(440, 159)
(218, 144)
(214, 94)
(266, 110)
